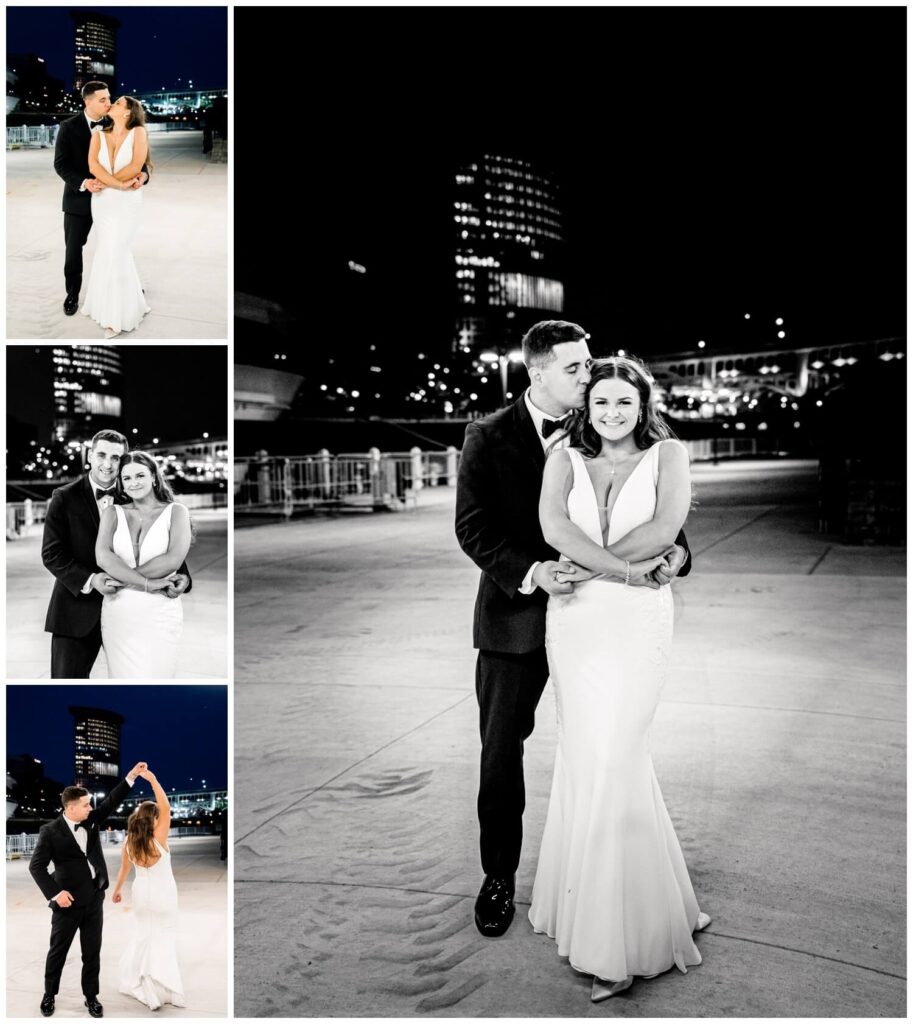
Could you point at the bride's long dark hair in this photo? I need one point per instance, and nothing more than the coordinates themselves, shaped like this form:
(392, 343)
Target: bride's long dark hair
(137, 119)
(140, 830)
(651, 426)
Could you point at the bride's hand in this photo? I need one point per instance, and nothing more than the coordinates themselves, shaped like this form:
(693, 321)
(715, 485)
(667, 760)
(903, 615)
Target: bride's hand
(116, 898)
(647, 565)
(154, 586)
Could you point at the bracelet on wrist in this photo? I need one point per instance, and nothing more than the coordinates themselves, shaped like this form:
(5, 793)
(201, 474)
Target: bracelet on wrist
(627, 572)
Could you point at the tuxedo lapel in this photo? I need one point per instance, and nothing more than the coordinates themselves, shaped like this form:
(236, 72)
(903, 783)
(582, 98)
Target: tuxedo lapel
(89, 496)
(526, 431)
(67, 833)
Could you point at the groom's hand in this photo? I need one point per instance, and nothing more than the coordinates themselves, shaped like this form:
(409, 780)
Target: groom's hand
(137, 182)
(545, 577)
(64, 899)
(137, 769)
(93, 185)
(177, 586)
(105, 584)
(675, 556)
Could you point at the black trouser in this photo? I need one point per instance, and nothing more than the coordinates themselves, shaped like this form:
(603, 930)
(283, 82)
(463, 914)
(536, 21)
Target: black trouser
(75, 232)
(64, 926)
(508, 687)
(72, 657)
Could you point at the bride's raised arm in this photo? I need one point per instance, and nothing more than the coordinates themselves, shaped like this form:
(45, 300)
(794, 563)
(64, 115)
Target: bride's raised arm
(178, 546)
(140, 152)
(163, 824)
(96, 168)
(561, 534)
(673, 502)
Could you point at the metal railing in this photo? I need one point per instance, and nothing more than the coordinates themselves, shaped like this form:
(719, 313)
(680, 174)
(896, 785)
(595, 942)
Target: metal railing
(21, 516)
(373, 480)
(24, 845)
(41, 135)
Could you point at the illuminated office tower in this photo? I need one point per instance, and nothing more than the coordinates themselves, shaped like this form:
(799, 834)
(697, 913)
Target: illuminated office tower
(96, 48)
(507, 252)
(88, 391)
(97, 748)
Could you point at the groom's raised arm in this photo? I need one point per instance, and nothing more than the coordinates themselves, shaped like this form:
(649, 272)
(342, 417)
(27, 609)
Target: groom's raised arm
(57, 551)
(482, 528)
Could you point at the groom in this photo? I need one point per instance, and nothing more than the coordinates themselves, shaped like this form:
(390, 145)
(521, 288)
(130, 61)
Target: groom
(497, 525)
(71, 162)
(68, 551)
(75, 889)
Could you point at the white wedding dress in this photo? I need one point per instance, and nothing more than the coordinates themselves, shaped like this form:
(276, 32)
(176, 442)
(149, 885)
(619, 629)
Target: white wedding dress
(115, 294)
(148, 967)
(611, 885)
(141, 632)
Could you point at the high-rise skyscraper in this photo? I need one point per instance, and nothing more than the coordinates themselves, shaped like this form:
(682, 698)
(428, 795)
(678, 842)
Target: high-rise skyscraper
(96, 48)
(88, 391)
(97, 748)
(507, 252)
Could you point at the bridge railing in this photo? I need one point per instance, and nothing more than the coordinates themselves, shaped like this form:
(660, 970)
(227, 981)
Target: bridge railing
(21, 516)
(24, 845)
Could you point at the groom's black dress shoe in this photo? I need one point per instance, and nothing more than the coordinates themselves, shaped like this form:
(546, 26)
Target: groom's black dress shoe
(70, 304)
(495, 906)
(95, 1007)
(47, 1005)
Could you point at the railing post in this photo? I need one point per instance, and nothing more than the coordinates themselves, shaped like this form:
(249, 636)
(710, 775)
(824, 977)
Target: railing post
(288, 497)
(263, 495)
(376, 478)
(326, 473)
(451, 466)
(415, 454)
(29, 516)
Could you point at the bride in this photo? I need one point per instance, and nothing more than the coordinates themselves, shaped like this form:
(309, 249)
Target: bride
(142, 544)
(117, 154)
(149, 965)
(611, 884)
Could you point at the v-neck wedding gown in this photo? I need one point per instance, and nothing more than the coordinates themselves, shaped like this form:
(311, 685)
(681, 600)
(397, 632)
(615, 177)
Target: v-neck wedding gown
(611, 884)
(140, 632)
(115, 294)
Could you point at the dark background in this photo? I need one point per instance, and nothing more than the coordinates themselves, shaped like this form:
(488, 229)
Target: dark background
(712, 162)
(156, 46)
(182, 731)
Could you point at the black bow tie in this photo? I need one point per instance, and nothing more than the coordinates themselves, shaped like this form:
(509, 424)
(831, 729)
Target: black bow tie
(95, 124)
(80, 824)
(101, 493)
(550, 426)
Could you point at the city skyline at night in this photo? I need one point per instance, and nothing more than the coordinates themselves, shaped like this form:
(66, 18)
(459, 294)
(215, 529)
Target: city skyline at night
(182, 731)
(158, 48)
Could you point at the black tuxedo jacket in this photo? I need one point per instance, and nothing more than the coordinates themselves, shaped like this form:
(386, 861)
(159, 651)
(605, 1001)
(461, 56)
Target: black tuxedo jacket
(68, 551)
(497, 525)
(71, 162)
(57, 844)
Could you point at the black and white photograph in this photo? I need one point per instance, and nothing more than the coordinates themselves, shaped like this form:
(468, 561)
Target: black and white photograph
(569, 516)
(117, 172)
(117, 518)
(116, 832)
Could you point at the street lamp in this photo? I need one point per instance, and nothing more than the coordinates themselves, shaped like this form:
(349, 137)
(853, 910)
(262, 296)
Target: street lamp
(502, 360)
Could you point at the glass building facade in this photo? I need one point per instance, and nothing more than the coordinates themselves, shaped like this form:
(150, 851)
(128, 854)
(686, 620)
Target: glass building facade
(97, 748)
(508, 242)
(96, 48)
(88, 391)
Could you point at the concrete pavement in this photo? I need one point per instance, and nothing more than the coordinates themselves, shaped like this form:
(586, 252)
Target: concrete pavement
(204, 643)
(779, 746)
(181, 247)
(202, 881)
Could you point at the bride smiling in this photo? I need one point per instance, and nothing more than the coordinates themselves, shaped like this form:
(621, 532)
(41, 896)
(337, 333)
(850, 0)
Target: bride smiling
(143, 540)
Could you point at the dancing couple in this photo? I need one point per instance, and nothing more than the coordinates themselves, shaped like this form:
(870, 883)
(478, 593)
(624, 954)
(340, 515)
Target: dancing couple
(116, 542)
(571, 501)
(75, 891)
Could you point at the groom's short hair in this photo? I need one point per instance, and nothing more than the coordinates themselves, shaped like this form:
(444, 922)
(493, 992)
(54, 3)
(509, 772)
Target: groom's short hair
(92, 87)
(114, 436)
(542, 337)
(72, 795)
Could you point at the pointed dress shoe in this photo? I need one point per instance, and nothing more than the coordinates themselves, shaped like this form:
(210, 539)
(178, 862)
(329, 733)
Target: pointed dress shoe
(70, 304)
(495, 906)
(47, 1005)
(95, 1007)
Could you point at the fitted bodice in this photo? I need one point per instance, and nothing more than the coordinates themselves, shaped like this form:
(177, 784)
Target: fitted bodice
(635, 503)
(164, 857)
(124, 154)
(154, 543)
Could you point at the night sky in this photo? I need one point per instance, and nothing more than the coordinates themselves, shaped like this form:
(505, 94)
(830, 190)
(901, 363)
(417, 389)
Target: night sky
(181, 730)
(712, 161)
(174, 393)
(155, 45)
